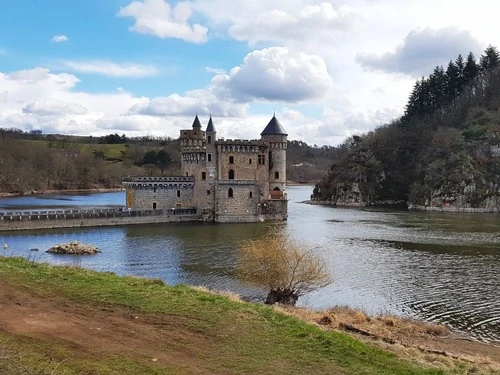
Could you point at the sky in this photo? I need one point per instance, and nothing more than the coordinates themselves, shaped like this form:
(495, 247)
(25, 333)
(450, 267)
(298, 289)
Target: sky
(327, 69)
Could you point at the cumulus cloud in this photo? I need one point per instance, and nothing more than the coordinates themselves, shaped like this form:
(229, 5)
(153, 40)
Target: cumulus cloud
(59, 38)
(158, 18)
(109, 68)
(53, 107)
(277, 74)
(421, 51)
(318, 21)
(202, 101)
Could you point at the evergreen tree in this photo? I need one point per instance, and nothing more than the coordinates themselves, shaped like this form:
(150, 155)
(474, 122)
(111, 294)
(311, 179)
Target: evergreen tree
(490, 59)
(471, 69)
(452, 78)
(459, 63)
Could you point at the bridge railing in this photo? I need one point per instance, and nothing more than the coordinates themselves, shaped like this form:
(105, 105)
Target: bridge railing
(90, 213)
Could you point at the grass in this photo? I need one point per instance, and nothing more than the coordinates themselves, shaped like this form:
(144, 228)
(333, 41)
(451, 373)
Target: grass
(233, 337)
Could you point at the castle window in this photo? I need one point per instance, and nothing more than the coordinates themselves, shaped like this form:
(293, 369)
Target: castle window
(154, 205)
(231, 174)
(230, 193)
(262, 159)
(154, 190)
(249, 161)
(209, 157)
(178, 193)
(250, 195)
(276, 175)
(208, 192)
(209, 139)
(203, 175)
(231, 160)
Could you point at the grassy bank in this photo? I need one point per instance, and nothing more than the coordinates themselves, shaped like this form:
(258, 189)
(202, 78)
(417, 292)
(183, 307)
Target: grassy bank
(78, 321)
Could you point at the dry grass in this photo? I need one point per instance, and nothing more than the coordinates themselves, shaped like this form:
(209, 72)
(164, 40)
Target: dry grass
(235, 297)
(408, 338)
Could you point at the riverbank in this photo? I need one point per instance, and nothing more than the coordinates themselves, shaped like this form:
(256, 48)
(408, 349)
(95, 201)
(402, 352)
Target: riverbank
(443, 208)
(71, 191)
(68, 320)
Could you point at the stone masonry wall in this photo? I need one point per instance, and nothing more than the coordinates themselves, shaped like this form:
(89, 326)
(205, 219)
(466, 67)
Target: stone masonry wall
(242, 206)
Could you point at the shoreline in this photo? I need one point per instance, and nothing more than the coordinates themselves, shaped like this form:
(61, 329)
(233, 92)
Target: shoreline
(55, 191)
(452, 209)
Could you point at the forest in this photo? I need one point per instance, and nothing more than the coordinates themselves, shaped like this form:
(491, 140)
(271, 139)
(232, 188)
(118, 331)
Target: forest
(444, 149)
(33, 162)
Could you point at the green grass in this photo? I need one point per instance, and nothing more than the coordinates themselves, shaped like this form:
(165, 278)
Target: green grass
(241, 338)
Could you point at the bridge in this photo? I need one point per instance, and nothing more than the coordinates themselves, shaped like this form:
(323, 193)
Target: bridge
(70, 218)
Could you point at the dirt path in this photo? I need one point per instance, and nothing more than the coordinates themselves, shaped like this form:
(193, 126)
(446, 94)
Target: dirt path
(102, 331)
(159, 338)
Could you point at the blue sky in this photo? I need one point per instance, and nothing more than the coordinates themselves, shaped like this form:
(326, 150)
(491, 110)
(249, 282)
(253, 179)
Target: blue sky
(329, 69)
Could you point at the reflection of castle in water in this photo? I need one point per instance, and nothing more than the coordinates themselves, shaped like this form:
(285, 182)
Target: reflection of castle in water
(223, 180)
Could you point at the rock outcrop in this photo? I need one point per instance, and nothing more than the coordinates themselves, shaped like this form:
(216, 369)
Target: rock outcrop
(73, 247)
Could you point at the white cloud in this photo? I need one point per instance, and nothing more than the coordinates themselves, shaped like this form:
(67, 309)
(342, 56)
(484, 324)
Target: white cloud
(109, 68)
(158, 18)
(59, 38)
(318, 21)
(422, 50)
(53, 107)
(276, 74)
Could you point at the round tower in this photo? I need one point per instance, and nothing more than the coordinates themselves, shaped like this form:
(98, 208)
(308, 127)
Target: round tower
(276, 137)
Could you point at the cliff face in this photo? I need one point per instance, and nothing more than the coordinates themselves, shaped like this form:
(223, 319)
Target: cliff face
(451, 170)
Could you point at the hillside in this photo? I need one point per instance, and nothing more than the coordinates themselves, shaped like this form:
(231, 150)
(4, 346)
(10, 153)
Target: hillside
(35, 162)
(443, 153)
(63, 320)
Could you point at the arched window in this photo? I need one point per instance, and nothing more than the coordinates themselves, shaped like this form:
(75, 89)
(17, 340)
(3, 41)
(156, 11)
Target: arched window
(231, 174)
(250, 195)
(230, 193)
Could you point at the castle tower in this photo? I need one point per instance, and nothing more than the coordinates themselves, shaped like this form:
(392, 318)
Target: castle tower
(193, 150)
(211, 139)
(276, 137)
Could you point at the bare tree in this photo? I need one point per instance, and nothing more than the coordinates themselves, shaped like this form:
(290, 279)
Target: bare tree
(289, 268)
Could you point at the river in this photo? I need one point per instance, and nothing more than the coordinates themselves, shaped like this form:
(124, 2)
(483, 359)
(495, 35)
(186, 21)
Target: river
(440, 267)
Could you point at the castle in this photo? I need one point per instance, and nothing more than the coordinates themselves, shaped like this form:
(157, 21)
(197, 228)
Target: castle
(222, 181)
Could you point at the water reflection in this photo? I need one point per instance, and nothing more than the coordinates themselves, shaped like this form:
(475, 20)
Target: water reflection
(442, 267)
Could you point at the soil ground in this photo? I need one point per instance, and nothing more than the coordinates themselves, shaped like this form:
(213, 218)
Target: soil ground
(104, 331)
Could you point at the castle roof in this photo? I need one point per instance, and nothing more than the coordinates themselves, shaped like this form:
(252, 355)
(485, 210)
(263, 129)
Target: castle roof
(196, 123)
(210, 126)
(274, 128)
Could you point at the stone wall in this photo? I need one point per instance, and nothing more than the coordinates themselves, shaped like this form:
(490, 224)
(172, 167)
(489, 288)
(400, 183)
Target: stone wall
(147, 193)
(242, 206)
(273, 210)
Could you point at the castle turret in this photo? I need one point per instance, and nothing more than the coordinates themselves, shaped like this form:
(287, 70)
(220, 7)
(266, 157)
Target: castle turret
(196, 123)
(193, 150)
(211, 138)
(276, 137)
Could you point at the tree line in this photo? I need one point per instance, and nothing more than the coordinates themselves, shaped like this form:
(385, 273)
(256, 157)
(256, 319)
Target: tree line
(444, 143)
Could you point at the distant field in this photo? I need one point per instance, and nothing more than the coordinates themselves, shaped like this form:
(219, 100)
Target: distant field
(111, 151)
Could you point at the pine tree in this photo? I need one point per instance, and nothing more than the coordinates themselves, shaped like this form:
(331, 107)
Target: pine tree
(452, 78)
(490, 59)
(471, 69)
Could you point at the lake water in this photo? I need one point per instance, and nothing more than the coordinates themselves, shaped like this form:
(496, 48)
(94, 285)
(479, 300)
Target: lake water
(440, 267)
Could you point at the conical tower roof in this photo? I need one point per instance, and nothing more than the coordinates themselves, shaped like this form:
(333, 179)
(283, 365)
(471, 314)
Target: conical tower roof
(196, 123)
(210, 126)
(274, 128)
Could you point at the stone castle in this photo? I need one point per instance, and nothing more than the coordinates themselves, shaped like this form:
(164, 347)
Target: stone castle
(222, 181)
